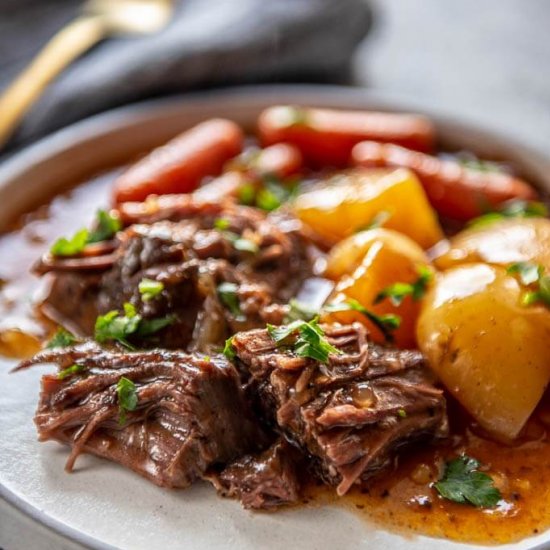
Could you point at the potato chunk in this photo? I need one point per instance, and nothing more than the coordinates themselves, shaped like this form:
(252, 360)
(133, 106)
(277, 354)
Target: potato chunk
(351, 201)
(367, 263)
(348, 254)
(488, 350)
(501, 243)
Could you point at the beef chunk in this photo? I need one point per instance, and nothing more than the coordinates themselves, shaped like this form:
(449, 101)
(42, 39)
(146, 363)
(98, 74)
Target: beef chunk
(71, 300)
(351, 414)
(274, 254)
(191, 413)
(186, 249)
(261, 481)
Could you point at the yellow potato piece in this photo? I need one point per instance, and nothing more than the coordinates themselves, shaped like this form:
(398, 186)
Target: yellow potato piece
(489, 351)
(349, 253)
(500, 243)
(387, 257)
(351, 201)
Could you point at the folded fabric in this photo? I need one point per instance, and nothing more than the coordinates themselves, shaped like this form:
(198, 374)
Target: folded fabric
(208, 43)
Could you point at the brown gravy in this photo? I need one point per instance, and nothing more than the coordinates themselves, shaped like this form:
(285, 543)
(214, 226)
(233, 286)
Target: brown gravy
(402, 500)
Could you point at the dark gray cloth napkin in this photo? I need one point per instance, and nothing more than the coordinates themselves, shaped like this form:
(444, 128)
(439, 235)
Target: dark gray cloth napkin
(208, 43)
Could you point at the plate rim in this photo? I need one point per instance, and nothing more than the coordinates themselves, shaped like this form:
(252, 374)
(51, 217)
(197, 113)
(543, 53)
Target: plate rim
(107, 122)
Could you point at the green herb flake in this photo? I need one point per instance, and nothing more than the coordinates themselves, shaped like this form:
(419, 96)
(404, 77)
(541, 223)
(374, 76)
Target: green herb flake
(463, 483)
(61, 339)
(298, 310)
(397, 292)
(245, 245)
(310, 342)
(247, 194)
(222, 224)
(229, 298)
(127, 398)
(69, 371)
(107, 226)
(147, 327)
(516, 208)
(116, 327)
(402, 413)
(149, 289)
(267, 200)
(240, 243)
(229, 349)
(532, 275)
(70, 247)
(528, 273)
(386, 323)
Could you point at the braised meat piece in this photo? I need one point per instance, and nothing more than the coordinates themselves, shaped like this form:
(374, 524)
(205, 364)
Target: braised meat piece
(70, 300)
(275, 254)
(191, 413)
(352, 413)
(261, 481)
(191, 252)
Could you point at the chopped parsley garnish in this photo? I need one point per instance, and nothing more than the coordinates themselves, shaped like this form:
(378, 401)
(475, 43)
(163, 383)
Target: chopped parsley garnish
(70, 247)
(386, 323)
(127, 398)
(527, 273)
(298, 310)
(397, 292)
(402, 413)
(532, 275)
(247, 194)
(222, 224)
(516, 208)
(311, 341)
(463, 483)
(61, 339)
(269, 194)
(148, 288)
(229, 298)
(239, 243)
(107, 227)
(116, 327)
(69, 371)
(229, 349)
(244, 245)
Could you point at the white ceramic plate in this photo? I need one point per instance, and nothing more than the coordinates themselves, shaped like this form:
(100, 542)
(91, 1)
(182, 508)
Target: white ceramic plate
(102, 505)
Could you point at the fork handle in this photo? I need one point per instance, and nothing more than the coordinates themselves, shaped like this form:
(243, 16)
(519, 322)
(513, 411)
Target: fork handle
(68, 44)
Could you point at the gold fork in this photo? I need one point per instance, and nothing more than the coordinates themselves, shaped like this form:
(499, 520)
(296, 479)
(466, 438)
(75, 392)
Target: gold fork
(99, 20)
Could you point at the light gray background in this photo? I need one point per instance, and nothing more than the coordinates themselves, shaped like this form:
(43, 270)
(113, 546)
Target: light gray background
(487, 60)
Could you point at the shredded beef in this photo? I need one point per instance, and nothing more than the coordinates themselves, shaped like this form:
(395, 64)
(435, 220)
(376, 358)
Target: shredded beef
(191, 254)
(261, 481)
(351, 414)
(191, 413)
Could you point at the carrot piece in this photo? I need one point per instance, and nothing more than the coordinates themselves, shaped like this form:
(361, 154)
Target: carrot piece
(180, 165)
(326, 137)
(281, 160)
(454, 190)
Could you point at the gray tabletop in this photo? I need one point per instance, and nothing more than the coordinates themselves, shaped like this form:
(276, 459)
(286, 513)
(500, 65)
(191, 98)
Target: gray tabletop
(486, 60)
